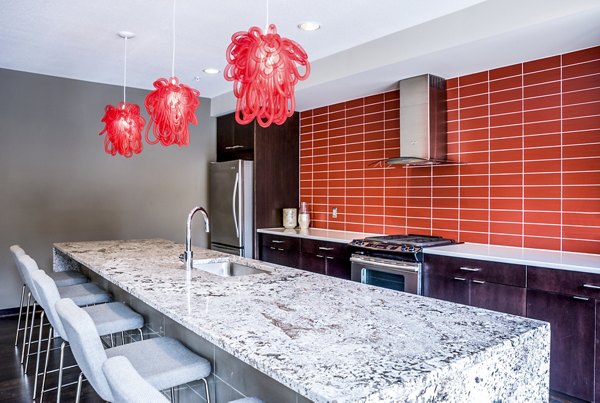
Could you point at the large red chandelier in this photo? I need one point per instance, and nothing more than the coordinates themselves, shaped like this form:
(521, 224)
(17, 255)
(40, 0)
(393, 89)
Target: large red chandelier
(123, 124)
(171, 107)
(264, 69)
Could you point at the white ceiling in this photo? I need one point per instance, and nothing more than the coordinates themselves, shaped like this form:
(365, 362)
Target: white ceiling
(363, 46)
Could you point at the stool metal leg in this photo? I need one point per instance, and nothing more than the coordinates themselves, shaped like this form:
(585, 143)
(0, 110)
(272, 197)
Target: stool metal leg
(60, 373)
(30, 337)
(37, 359)
(206, 390)
(20, 314)
(25, 328)
(50, 335)
(79, 380)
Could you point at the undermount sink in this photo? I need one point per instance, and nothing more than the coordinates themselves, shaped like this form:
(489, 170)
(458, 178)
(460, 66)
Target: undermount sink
(227, 269)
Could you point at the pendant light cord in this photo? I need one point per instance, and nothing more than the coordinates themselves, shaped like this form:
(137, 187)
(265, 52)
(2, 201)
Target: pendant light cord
(267, 26)
(125, 74)
(173, 61)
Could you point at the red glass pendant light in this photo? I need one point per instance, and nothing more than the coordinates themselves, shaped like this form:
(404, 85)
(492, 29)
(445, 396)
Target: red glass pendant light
(171, 106)
(123, 124)
(264, 69)
(123, 128)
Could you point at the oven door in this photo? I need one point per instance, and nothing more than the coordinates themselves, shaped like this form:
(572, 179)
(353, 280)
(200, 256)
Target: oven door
(393, 274)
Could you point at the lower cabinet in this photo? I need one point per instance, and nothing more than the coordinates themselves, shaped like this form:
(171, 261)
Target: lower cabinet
(489, 285)
(323, 257)
(572, 322)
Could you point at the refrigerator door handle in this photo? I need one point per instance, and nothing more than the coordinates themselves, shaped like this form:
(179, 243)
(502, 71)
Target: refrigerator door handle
(233, 197)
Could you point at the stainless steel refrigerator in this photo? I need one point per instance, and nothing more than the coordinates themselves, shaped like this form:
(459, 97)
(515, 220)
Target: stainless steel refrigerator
(231, 213)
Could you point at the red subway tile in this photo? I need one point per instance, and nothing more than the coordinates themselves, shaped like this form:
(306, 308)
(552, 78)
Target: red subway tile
(506, 83)
(542, 166)
(588, 109)
(374, 117)
(585, 123)
(506, 240)
(506, 191)
(581, 83)
(475, 89)
(473, 78)
(582, 69)
(506, 107)
(503, 96)
(589, 233)
(510, 179)
(472, 135)
(542, 115)
(506, 143)
(581, 206)
(505, 228)
(506, 156)
(541, 243)
(506, 119)
(542, 127)
(581, 150)
(542, 153)
(452, 82)
(580, 56)
(377, 98)
(582, 219)
(544, 192)
(474, 215)
(578, 97)
(541, 77)
(506, 131)
(474, 237)
(392, 95)
(541, 64)
(577, 178)
(506, 216)
(475, 112)
(542, 179)
(542, 217)
(542, 204)
(445, 203)
(581, 192)
(544, 140)
(508, 204)
(540, 90)
(446, 213)
(507, 71)
(581, 246)
(472, 101)
(581, 164)
(474, 226)
(452, 93)
(547, 101)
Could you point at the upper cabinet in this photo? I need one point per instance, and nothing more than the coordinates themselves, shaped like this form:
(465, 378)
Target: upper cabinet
(234, 141)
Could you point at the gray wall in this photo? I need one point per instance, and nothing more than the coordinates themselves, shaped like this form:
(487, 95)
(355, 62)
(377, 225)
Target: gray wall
(57, 183)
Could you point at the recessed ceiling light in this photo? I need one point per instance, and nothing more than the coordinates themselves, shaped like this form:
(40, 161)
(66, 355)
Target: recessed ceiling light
(197, 78)
(211, 70)
(309, 26)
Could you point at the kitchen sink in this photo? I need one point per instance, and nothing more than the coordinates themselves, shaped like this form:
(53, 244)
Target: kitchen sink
(227, 269)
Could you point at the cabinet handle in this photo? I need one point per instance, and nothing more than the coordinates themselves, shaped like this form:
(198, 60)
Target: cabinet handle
(329, 257)
(581, 298)
(325, 248)
(469, 269)
(277, 241)
(460, 279)
(233, 147)
(272, 248)
(319, 255)
(593, 287)
(281, 249)
(479, 282)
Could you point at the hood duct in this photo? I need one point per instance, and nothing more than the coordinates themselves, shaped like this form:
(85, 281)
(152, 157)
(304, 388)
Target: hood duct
(422, 121)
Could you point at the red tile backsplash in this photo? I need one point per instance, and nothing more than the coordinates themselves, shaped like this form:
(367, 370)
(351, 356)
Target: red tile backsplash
(524, 146)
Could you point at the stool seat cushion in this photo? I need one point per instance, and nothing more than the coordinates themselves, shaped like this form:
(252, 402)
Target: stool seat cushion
(114, 317)
(84, 294)
(163, 362)
(247, 400)
(64, 278)
(126, 385)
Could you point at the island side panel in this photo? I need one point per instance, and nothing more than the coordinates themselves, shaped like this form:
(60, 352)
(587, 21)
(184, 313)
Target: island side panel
(61, 262)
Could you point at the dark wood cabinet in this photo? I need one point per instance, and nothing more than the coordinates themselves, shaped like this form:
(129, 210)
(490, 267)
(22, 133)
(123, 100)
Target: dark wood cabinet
(569, 301)
(323, 257)
(490, 285)
(572, 322)
(234, 141)
(330, 258)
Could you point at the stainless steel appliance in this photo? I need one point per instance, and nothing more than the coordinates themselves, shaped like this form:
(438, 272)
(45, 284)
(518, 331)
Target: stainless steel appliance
(392, 261)
(231, 218)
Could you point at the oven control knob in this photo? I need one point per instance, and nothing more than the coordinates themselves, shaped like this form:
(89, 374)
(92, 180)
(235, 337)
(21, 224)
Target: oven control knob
(411, 248)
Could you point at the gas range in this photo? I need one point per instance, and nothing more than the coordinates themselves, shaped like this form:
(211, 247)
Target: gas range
(400, 243)
(392, 261)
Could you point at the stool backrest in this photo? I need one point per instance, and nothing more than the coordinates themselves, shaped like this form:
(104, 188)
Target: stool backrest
(46, 289)
(85, 345)
(29, 267)
(126, 383)
(17, 251)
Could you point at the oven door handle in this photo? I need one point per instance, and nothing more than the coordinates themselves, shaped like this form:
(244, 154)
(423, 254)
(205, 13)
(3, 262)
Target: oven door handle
(389, 267)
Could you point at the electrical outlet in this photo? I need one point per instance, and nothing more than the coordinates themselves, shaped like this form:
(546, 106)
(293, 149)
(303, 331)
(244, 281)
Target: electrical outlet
(334, 212)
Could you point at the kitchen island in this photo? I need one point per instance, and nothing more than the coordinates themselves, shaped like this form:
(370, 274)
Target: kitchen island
(324, 338)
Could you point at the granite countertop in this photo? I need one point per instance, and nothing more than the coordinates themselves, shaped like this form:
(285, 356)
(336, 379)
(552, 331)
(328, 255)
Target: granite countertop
(327, 339)
(582, 262)
(316, 233)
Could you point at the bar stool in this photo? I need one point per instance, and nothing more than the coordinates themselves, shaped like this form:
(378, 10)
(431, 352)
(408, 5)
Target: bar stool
(82, 294)
(109, 318)
(61, 278)
(163, 362)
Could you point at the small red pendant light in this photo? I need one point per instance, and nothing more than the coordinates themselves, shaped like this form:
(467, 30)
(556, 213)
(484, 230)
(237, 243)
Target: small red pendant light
(264, 69)
(171, 106)
(123, 124)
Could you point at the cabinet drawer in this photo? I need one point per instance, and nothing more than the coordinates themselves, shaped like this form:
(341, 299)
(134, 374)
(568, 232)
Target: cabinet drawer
(472, 269)
(315, 247)
(280, 242)
(564, 281)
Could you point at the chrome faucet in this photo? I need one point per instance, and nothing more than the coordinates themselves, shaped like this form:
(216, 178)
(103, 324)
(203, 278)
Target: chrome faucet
(188, 256)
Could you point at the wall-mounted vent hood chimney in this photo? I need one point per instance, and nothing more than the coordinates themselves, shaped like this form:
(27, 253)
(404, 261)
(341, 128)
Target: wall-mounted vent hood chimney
(422, 121)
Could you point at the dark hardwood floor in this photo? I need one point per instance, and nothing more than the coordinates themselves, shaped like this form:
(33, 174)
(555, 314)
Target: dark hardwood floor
(17, 387)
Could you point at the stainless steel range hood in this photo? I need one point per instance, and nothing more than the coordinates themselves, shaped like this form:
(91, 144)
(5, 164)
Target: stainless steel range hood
(422, 121)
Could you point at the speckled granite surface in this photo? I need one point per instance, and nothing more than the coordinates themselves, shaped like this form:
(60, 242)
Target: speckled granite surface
(331, 339)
